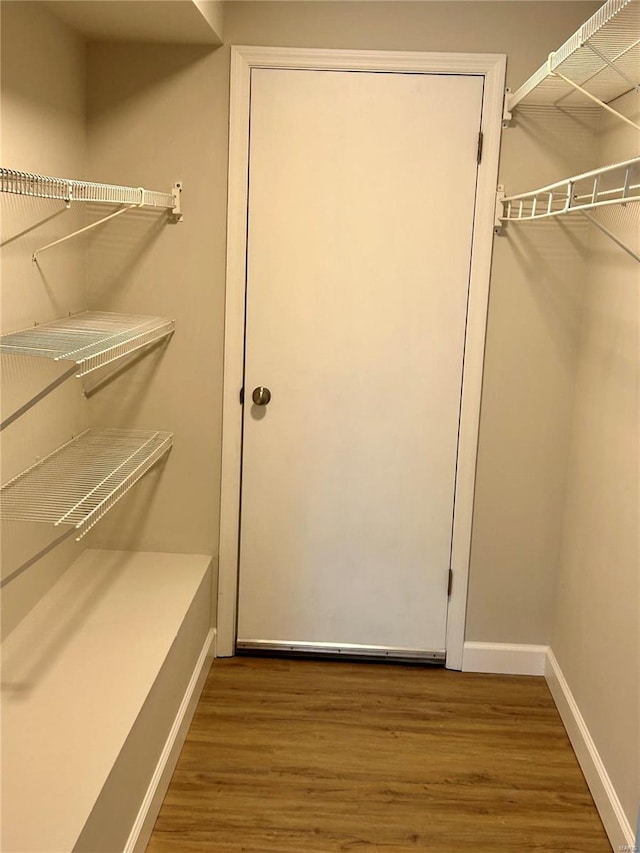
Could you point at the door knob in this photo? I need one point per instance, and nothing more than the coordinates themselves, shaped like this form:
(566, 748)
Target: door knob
(261, 395)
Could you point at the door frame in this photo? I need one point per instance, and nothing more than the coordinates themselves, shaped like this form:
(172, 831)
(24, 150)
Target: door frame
(243, 59)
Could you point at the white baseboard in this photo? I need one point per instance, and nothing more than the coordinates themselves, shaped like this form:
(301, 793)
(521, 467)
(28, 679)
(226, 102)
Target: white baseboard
(143, 826)
(604, 794)
(504, 658)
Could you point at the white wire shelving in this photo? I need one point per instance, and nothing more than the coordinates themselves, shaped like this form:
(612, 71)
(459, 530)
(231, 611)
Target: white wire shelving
(78, 483)
(600, 62)
(69, 191)
(90, 340)
(615, 184)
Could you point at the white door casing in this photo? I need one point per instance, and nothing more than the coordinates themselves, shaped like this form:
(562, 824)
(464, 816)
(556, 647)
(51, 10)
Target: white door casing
(491, 69)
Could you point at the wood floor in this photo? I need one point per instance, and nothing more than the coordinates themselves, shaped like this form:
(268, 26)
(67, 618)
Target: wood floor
(315, 757)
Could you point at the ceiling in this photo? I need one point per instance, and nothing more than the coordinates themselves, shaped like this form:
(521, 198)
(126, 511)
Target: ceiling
(169, 21)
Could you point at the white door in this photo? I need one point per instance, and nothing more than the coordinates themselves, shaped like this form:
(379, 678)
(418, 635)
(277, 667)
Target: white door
(361, 202)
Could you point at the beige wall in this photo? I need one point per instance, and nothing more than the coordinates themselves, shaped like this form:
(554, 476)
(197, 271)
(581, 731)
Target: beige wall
(158, 115)
(535, 290)
(535, 306)
(526, 31)
(595, 635)
(43, 129)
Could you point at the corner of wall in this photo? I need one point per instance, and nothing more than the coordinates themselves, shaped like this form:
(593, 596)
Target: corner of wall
(602, 788)
(213, 12)
(595, 650)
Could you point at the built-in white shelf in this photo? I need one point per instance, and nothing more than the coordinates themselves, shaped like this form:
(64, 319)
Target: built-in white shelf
(110, 647)
(600, 61)
(78, 483)
(91, 339)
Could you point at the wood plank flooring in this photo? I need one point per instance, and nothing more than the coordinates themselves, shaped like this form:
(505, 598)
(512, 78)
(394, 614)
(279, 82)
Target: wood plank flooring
(317, 756)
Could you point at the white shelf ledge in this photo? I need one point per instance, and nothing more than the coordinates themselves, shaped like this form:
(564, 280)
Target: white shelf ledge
(80, 672)
(91, 340)
(78, 483)
(602, 58)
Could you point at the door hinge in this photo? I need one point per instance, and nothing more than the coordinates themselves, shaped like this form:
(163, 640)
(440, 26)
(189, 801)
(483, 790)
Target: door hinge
(480, 143)
(450, 582)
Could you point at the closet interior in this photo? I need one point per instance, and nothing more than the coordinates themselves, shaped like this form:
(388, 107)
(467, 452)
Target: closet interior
(111, 353)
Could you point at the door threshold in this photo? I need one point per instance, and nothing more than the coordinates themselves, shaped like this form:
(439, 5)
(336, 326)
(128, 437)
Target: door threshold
(343, 651)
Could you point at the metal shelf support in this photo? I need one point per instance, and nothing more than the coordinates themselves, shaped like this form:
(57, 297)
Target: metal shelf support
(633, 83)
(73, 234)
(612, 236)
(588, 94)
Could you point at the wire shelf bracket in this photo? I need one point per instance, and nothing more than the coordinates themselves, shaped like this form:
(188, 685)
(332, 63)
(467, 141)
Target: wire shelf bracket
(610, 185)
(91, 340)
(593, 98)
(81, 481)
(68, 190)
(612, 236)
(600, 62)
(77, 233)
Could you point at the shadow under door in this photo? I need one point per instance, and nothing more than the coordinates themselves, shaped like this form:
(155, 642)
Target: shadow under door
(358, 266)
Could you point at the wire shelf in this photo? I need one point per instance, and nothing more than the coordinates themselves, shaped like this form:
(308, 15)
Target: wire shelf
(43, 186)
(615, 184)
(80, 482)
(602, 57)
(91, 339)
